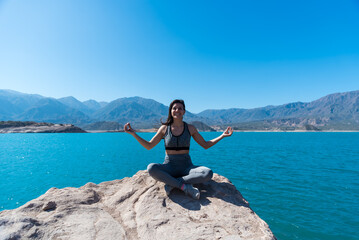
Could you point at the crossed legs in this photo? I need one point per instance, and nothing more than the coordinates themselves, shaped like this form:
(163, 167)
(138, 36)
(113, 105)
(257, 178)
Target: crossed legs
(191, 175)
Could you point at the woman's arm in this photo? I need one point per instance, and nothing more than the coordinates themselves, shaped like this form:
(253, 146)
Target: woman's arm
(146, 144)
(207, 144)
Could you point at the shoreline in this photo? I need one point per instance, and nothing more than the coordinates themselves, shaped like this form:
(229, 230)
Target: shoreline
(152, 131)
(43, 127)
(289, 131)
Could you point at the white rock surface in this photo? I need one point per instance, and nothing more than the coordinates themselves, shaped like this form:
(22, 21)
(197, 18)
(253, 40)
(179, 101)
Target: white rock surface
(135, 208)
(43, 128)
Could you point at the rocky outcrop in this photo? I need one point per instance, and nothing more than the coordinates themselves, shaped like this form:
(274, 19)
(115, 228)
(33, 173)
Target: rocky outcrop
(135, 208)
(34, 127)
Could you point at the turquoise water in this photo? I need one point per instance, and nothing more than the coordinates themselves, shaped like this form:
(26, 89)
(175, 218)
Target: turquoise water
(304, 185)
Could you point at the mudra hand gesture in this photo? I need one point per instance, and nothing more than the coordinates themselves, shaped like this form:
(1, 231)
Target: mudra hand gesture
(228, 132)
(128, 129)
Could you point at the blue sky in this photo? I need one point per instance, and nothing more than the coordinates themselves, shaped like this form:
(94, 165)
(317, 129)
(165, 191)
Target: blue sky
(212, 54)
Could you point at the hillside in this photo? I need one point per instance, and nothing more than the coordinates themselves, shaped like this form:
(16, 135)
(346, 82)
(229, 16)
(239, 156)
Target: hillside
(332, 111)
(338, 111)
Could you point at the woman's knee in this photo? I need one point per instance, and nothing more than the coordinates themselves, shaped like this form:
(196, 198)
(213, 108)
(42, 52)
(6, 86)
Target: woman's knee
(208, 174)
(152, 168)
(205, 173)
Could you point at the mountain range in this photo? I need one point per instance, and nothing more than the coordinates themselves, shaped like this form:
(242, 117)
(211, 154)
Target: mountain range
(338, 111)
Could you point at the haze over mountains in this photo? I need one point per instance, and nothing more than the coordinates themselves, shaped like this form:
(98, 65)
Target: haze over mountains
(339, 111)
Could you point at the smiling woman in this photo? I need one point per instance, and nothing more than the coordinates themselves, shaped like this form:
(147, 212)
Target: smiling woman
(178, 171)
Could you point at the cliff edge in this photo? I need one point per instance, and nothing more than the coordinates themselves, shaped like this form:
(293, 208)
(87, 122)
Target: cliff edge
(136, 208)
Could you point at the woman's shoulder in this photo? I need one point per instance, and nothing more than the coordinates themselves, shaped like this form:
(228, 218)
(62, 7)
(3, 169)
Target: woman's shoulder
(192, 129)
(162, 129)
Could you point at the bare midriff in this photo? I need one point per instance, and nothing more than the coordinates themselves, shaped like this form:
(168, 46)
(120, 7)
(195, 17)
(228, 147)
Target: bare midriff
(174, 152)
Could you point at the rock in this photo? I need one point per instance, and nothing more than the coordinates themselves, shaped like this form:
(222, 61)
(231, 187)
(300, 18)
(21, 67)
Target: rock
(49, 206)
(34, 127)
(136, 208)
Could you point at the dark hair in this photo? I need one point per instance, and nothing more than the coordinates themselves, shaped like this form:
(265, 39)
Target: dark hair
(170, 118)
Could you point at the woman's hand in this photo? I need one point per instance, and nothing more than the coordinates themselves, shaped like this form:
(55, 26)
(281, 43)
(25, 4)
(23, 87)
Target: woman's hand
(127, 128)
(228, 132)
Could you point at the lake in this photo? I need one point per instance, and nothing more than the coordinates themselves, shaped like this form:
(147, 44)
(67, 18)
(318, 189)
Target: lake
(305, 185)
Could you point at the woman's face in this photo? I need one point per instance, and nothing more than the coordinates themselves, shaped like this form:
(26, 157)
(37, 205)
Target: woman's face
(177, 111)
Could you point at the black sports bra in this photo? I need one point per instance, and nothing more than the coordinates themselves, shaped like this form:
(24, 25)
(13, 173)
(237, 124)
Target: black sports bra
(180, 142)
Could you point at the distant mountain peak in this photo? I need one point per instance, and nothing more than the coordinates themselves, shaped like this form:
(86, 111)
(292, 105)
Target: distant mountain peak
(69, 98)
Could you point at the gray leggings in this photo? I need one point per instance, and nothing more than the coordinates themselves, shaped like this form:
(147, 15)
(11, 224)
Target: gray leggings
(178, 169)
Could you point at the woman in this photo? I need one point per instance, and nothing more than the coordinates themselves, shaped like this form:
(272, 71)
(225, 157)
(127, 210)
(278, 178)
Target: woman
(177, 171)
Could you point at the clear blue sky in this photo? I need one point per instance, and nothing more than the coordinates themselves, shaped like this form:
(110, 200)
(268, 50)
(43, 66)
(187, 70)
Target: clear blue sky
(212, 54)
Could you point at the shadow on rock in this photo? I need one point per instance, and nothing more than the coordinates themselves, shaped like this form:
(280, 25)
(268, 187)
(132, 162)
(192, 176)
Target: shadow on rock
(211, 189)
